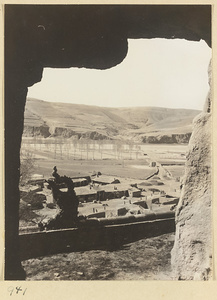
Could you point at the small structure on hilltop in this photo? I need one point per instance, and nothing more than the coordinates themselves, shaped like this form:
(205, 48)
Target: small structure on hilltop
(153, 164)
(67, 202)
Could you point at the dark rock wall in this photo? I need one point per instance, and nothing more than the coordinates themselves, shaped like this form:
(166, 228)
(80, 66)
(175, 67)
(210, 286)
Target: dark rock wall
(94, 235)
(15, 104)
(65, 36)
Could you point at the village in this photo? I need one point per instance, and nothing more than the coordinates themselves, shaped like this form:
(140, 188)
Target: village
(101, 196)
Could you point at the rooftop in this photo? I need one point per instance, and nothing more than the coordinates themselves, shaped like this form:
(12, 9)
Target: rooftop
(113, 187)
(105, 179)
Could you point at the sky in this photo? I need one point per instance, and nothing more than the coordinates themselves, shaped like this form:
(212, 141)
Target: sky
(155, 72)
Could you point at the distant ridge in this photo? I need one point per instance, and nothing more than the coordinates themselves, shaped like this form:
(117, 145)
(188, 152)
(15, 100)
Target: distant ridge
(140, 124)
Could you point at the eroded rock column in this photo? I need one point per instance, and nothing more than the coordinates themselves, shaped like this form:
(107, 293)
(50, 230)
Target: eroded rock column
(192, 251)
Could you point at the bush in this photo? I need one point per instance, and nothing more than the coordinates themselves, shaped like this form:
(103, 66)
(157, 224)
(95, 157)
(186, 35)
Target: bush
(36, 201)
(25, 212)
(51, 205)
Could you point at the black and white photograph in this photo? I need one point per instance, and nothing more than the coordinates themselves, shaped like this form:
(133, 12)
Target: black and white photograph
(108, 142)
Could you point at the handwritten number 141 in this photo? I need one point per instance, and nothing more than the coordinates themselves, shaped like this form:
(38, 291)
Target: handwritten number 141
(16, 290)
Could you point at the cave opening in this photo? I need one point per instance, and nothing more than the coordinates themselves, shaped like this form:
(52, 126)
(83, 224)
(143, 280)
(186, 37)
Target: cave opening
(31, 33)
(177, 67)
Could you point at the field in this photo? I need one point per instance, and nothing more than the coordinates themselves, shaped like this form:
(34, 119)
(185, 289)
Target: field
(108, 158)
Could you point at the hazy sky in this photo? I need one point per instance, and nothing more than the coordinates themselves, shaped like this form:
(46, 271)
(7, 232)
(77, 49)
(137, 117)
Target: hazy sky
(155, 72)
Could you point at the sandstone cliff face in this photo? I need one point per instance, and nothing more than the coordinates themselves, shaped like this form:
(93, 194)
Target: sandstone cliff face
(45, 131)
(167, 139)
(192, 251)
(32, 131)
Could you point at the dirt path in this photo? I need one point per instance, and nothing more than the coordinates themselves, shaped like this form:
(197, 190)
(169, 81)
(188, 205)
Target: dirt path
(147, 259)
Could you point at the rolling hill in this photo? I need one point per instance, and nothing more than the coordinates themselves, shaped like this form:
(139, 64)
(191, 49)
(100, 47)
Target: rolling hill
(141, 124)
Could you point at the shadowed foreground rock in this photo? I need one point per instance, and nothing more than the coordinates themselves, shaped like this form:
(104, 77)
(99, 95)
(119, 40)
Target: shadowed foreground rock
(192, 252)
(67, 202)
(146, 259)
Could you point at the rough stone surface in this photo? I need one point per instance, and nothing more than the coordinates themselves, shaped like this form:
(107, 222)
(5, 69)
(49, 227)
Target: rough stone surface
(192, 252)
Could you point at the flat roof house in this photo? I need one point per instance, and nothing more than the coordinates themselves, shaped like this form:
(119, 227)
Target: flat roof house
(103, 180)
(112, 191)
(85, 193)
(80, 182)
(134, 192)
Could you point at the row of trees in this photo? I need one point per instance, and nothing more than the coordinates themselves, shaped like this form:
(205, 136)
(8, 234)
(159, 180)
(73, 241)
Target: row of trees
(86, 148)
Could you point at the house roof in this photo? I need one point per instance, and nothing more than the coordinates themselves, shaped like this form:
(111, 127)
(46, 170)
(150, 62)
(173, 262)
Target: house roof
(113, 187)
(105, 179)
(79, 179)
(133, 189)
(84, 190)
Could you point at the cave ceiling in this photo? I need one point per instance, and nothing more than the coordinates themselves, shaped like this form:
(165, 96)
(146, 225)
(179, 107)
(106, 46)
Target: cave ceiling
(92, 36)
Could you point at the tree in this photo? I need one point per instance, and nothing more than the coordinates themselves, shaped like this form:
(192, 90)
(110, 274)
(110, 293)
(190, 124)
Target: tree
(55, 149)
(93, 147)
(60, 143)
(138, 149)
(87, 141)
(27, 165)
(119, 145)
(100, 147)
(131, 146)
(81, 146)
(75, 144)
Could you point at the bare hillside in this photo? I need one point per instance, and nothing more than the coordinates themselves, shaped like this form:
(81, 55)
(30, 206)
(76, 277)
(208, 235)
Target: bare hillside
(141, 124)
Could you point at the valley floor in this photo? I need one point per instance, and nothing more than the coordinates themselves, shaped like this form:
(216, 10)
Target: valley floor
(146, 259)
